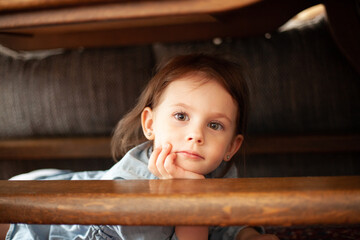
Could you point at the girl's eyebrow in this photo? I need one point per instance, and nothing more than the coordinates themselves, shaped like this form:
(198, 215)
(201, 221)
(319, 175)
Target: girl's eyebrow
(215, 115)
(222, 115)
(182, 105)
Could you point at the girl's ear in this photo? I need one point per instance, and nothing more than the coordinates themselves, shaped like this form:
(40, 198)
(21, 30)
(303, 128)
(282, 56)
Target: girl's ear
(234, 147)
(147, 123)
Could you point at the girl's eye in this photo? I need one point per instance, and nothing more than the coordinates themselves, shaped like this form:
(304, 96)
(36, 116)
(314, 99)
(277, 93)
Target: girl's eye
(181, 116)
(215, 126)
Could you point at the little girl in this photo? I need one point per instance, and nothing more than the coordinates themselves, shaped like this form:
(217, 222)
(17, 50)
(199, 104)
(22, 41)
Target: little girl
(188, 123)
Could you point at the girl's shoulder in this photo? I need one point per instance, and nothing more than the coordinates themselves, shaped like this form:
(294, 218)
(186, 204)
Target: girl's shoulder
(134, 165)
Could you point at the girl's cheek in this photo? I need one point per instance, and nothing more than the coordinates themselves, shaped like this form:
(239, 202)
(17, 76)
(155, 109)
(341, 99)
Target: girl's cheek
(156, 143)
(159, 142)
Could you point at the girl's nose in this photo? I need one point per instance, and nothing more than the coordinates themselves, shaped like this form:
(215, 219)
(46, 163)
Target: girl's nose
(196, 137)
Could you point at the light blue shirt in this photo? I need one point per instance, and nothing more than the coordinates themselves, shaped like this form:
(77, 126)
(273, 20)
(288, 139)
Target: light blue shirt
(132, 166)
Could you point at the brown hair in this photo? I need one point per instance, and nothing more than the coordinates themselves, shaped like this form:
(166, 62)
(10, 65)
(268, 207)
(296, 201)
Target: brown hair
(128, 132)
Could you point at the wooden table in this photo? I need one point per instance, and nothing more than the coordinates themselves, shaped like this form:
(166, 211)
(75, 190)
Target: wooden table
(250, 201)
(39, 24)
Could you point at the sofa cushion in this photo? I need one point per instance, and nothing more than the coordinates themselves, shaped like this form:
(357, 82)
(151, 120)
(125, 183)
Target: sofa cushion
(73, 92)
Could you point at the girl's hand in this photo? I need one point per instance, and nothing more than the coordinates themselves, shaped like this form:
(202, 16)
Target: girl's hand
(250, 234)
(264, 237)
(162, 164)
(192, 232)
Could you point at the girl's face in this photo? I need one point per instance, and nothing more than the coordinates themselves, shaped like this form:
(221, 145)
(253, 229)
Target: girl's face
(197, 117)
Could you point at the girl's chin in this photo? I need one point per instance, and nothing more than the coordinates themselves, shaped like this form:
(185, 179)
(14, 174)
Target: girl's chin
(188, 166)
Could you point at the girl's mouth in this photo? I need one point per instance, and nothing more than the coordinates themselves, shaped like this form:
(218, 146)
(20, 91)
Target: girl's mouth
(191, 155)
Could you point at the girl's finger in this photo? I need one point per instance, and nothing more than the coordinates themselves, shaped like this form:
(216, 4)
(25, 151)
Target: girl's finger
(170, 166)
(152, 162)
(161, 159)
(177, 172)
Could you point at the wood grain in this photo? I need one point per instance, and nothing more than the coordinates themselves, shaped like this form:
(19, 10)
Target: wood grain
(55, 148)
(12, 5)
(253, 201)
(139, 22)
(117, 11)
(142, 6)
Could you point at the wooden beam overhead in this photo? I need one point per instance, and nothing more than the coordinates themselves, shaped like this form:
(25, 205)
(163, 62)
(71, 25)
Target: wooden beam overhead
(140, 22)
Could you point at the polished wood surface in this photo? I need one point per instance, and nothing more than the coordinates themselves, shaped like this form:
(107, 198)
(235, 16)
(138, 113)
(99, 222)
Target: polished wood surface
(176, 5)
(99, 147)
(55, 148)
(253, 201)
(6, 5)
(75, 24)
